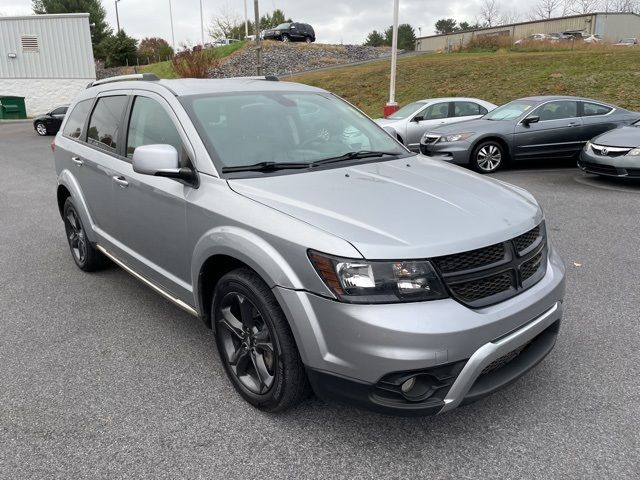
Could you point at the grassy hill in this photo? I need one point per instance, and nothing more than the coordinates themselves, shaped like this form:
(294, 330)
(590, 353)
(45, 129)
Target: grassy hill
(608, 74)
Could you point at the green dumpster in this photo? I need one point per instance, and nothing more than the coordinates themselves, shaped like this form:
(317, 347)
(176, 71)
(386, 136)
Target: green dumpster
(12, 107)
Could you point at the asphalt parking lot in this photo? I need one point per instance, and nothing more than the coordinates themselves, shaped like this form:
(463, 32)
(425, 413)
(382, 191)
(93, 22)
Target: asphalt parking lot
(102, 378)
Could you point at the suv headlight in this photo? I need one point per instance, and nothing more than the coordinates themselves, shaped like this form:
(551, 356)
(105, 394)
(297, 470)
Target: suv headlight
(635, 152)
(456, 137)
(361, 281)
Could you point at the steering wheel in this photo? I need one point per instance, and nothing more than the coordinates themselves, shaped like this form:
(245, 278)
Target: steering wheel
(322, 135)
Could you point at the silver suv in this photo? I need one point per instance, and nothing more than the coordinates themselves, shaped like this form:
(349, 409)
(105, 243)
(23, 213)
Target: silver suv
(322, 252)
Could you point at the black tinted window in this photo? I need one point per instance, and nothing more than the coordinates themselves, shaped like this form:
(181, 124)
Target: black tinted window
(467, 109)
(558, 110)
(59, 111)
(75, 121)
(150, 125)
(593, 109)
(106, 120)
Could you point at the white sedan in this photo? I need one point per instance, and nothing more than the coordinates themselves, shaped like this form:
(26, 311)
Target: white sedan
(413, 120)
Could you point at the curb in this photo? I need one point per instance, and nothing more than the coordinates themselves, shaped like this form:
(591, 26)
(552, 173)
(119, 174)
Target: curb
(9, 122)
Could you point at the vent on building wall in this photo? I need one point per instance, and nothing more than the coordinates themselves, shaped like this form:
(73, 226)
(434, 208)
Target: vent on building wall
(29, 43)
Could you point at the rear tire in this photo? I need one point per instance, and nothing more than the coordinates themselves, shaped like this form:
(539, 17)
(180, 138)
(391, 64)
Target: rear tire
(255, 343)
(308, 39)
(488, 157)
(285, 38)
(86, 256)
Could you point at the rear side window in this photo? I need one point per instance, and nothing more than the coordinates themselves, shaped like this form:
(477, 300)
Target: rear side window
(467, 109)
(593, 109)
(75, 122)
(105, 122)
(151, 125)
(59, 111)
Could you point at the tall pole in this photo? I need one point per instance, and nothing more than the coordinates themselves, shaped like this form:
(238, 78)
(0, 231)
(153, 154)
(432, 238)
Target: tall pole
(201, 24)
(173, 37)
(117, 16)
(392, 106)
(246, 20)
(259, 68)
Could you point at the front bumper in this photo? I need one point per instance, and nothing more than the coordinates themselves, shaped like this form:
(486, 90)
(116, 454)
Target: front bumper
(454, 152)
(622, 166)
(352, 351)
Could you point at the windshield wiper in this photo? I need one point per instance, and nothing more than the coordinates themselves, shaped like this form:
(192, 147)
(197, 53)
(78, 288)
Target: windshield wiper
(265, 167)
(353, 156)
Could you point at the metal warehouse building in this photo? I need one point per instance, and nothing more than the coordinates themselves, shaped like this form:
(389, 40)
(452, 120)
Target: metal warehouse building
(47, 59)
(612, 27)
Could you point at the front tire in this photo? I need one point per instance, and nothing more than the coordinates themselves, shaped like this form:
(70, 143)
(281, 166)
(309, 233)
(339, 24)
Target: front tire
(86, 256)
(255, 343)
(41, 129)
(488, 157)
(285, 38)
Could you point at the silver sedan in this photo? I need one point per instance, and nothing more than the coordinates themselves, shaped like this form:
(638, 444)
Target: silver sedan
(413, 120)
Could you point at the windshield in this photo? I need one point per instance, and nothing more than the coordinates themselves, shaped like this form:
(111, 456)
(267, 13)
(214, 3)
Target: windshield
(283, 26)
(406, 111)
(249, 128)
(628, 40)
(510, 111)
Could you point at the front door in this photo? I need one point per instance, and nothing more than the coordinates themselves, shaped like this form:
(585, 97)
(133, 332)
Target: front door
(151, 211)
(557, 134)
(432, 116)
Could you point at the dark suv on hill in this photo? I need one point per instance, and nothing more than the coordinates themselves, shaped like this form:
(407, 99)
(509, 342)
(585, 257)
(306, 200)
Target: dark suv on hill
(291, 32)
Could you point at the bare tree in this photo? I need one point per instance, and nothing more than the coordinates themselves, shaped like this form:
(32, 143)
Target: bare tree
(584, 6)
(546, 9)
(490, 12)
(223, 23)
(509, 16)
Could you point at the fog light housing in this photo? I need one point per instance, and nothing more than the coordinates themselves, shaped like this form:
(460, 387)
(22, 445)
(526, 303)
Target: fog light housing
(408, 385)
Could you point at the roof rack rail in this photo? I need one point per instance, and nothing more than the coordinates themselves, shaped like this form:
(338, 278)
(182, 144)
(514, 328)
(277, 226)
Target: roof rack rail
(146, 77)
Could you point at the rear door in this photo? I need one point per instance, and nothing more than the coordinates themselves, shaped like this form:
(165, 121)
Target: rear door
(151, 226)
(558, 133)
(433, 115)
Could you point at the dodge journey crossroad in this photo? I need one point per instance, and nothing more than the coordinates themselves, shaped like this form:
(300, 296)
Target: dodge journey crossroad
(324, 254)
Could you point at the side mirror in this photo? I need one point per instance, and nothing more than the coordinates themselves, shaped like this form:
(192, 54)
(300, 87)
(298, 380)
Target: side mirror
(161, 161)
(529, 120)
(417, 118)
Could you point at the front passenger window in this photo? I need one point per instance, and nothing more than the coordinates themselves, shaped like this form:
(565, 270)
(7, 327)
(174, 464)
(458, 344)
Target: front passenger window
(150, 124)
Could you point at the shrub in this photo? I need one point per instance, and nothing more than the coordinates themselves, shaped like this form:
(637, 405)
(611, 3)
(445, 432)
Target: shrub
(193, 63)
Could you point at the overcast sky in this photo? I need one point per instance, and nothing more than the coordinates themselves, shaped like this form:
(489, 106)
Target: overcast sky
(335, 21)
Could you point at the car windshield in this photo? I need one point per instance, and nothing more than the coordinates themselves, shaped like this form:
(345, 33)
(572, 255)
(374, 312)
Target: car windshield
(510, 111)
(406, 111)
(628, 40)
(242, 129)
(283, 26)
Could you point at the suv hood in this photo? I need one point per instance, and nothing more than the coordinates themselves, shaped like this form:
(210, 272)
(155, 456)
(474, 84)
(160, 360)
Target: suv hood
(620, 137)
(401, 209)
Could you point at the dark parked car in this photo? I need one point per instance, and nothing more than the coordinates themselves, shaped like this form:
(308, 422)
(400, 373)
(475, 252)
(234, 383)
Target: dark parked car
(525, 129)
(49, 123)
(291, 32)
(614, 154)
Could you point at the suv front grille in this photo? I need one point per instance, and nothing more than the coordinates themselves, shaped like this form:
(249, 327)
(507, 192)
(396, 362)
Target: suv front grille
(492, 274)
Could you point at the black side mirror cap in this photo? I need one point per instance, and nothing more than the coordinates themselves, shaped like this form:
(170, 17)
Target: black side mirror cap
(529, 120)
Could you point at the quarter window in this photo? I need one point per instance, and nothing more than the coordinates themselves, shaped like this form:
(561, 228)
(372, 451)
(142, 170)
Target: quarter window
(75, 121)
(150, 124)
(468, 109)
(593, 109)
(558, 110)
(105, 122)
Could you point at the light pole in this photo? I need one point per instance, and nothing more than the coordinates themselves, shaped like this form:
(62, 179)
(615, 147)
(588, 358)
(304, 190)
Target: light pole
(259, 68)
(173, 37)
(117, 16)
(392, 106)
(246, 20)
(201, 24)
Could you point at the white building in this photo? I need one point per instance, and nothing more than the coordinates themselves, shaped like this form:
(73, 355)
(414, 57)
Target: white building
(47, 59)
(610, 26)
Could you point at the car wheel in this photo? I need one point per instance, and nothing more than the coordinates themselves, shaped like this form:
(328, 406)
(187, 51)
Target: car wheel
(41, 128)
(86, 256)
(285, 38)
(255, 343)
(308, 39)
(488, 157)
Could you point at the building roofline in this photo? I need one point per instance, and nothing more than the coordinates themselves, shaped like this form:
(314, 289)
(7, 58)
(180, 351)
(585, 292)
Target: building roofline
(46, 15)
(508, 25)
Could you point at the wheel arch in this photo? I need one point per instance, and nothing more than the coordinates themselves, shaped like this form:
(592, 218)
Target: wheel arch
(496, 138)
(68, 187)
